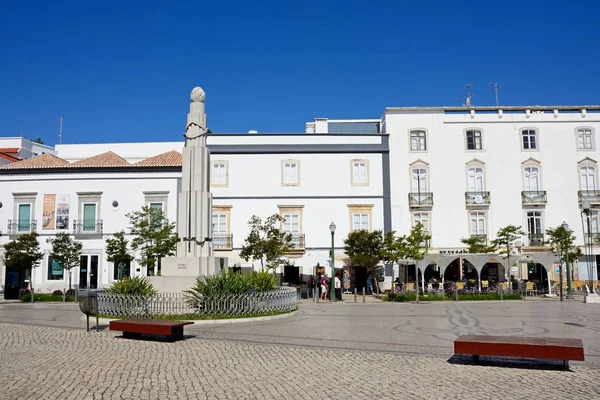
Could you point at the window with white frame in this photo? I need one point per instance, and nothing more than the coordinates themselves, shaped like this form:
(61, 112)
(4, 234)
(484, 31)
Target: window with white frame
(291, 174)
(534, 223)
(474, 141)
(585, 139)
(360, 172)
(418, 140)
(531, 178)
(478, 224)
(360, 222)
(475, 179)
(587, 178)
(291, 223)
(529, 139)
(535, 229)
(419, 180)
(594, 227)
(423, 219)
(219, 230)
(219, 224)
(219, 173)
(220, 218)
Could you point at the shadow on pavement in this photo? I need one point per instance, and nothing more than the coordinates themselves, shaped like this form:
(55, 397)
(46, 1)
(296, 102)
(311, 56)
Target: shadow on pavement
(510, 362)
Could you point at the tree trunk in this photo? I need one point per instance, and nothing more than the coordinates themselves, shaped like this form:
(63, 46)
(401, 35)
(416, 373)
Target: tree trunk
(70, 274)
(377, 286)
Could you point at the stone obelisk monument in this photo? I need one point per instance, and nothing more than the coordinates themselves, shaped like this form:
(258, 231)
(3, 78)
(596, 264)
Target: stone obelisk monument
(194, 216)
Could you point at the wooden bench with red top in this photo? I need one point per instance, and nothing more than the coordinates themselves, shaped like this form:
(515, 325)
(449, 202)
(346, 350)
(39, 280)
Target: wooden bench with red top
(133, 328)
(521, 347)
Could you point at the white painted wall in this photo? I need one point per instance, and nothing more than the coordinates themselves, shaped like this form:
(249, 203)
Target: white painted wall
(502, 155)
(126, 189)
(27, 148)
(255, 188)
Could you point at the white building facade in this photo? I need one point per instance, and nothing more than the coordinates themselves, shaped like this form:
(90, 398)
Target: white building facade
(467, 172)
(459, 171)
(310, 180)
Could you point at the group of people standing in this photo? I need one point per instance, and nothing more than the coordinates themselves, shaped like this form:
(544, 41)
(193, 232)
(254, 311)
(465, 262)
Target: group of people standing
(324, 285)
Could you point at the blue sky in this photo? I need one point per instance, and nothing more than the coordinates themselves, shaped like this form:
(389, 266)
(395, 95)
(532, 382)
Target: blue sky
(124, 72)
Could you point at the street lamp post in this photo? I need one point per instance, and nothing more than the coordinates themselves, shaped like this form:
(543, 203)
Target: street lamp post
(561, 259)
(332, 286)
(566, 252)
(586, 209)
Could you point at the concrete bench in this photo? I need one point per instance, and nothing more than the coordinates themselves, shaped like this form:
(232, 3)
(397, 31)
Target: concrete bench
(133, 328)
(520, 347)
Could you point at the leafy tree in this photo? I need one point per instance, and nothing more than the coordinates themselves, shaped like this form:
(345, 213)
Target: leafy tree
(266, 242)
(154, 238)
(505, 239)
(24, 253)
(367, 249)
(478, 245)
(394, 247)
(117, 252)
(562, 240)
(67, 252)
(416, 248)
(415, 243)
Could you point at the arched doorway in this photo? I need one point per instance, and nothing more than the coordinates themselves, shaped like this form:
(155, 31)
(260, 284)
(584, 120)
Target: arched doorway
(537, 274)
(452, 271)
(432, 271)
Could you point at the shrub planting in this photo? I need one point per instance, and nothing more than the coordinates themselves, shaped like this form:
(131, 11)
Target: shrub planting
(45, 297)
(408, 297)
(138, 285)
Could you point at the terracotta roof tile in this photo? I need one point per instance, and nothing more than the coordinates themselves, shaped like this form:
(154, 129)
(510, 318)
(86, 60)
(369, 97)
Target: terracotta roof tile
(43, 161)
(9, 157)
(169, 159)
(9, 150)
(108, 159)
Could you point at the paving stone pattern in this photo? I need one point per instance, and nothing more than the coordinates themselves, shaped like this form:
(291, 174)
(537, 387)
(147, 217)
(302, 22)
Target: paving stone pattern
(40, 362)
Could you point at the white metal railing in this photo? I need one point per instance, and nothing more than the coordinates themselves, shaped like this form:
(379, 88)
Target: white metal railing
(282, 299)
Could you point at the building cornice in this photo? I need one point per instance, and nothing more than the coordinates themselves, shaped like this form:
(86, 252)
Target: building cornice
(490, 108)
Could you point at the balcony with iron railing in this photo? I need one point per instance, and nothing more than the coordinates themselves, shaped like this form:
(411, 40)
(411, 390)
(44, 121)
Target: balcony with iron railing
(477, 198)
(222, 241)
(87, 227)
(535, 239)
(19, 226)
(420, 199)
(537, 197)
(591, 238)
(592, 196)
(297, 243)
(481, 236)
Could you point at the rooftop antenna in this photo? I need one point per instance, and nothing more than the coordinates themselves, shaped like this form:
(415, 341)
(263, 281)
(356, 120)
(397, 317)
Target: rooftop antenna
(495, 87)
(469, 95)
(60, 131)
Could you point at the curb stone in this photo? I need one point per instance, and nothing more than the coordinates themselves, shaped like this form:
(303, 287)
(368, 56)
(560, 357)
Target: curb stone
(106, 321)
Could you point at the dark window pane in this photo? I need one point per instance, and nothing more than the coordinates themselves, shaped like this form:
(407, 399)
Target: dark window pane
(55, 270)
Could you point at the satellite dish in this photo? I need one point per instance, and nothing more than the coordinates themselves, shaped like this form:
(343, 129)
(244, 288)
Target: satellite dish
(478, 199)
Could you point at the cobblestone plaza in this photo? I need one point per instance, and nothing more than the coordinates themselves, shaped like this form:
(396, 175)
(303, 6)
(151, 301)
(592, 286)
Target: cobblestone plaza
(340, 351)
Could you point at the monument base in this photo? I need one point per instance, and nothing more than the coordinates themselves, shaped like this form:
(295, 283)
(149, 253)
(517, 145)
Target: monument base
(180, 273)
